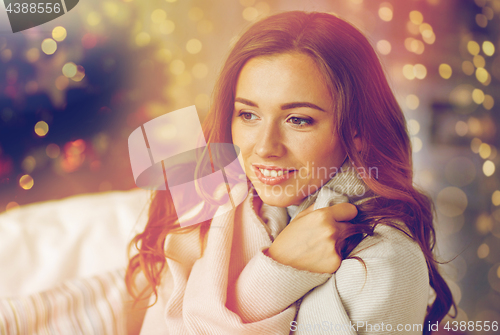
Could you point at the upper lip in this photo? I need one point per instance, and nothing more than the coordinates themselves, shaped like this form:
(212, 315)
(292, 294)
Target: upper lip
(272, 167)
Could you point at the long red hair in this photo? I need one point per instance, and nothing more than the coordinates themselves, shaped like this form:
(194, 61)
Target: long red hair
(365, 107)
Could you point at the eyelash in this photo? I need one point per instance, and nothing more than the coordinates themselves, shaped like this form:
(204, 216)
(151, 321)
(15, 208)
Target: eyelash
(308, 122)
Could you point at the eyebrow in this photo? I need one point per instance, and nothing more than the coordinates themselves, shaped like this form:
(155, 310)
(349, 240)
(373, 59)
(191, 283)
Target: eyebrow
(289, 105)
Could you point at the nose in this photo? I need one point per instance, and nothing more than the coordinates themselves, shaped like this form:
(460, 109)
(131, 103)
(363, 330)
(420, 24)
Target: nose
(269, 142)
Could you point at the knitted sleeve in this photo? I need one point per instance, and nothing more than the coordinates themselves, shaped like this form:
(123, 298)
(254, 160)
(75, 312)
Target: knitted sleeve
(266, 287)
(388, 294)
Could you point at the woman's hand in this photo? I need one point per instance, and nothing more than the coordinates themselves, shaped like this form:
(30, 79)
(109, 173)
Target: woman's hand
(308, 241)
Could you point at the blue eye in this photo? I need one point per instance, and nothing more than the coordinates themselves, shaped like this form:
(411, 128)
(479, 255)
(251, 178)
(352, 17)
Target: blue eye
(297, 121)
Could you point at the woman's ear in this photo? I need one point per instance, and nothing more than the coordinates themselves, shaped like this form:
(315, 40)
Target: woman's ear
(357, 143)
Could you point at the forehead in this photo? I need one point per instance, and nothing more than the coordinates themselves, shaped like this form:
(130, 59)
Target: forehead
(283, 77)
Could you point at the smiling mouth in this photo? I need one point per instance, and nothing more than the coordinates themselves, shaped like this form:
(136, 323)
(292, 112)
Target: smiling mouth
(272, 175)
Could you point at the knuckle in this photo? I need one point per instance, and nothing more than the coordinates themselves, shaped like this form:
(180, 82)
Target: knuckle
(328, 232)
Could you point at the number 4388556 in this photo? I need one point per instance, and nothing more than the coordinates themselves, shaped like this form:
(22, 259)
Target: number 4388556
(471, 325)
(33, 8)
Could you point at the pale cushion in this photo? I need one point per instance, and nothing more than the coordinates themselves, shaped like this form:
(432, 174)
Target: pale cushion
(45, 244)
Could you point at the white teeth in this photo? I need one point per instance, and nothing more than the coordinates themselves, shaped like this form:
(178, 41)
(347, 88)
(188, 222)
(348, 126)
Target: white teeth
(272, 173)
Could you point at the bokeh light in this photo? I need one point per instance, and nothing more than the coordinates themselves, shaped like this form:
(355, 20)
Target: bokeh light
(478, 61)
(93, 19)
(460, 171)
(488, 102)
(461, 128)
(412, 101)
(483, 251)
(484, 150)
(488, 48)
(69, 70)
(451, 201)
(495, 198)
(494, 277)
(193, 46)
(416, 17)
(484, 224)
(414, 45)
(468, 68)
(49, 46)
(413, 127)
(478, 96)
(408, 72)
(11, 205)
(74, 155)
(416, 144)
(250, 13)
(41, 128)
(158, 15)
(199, 70)
(461, 95)
(481, 20)
(167, 27)
(59, 34)
(62, 83)
(32, 55)
(476, 142)
(142, 39)
(52, 150)
(177, 67)
(28, 164)
(385, 11)
(420, 71)
(473, 48)
(445, 71)
(26, 182)
(488, 168)
(384, 47)
(482, 75)
(475, 128)
(80, 74)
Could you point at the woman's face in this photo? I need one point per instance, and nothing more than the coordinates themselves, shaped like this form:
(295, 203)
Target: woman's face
(283, 124)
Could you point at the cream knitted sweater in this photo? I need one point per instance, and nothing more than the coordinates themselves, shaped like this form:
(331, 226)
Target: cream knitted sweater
(234, 288)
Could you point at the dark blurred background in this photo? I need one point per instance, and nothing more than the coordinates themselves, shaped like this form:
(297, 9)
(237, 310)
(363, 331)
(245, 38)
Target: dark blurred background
(72, 91)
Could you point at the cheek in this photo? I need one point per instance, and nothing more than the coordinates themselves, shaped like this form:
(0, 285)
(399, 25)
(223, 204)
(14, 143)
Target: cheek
(322, 152)
(239, 141)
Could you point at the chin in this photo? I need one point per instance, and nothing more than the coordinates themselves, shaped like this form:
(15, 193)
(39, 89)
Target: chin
(279, 201)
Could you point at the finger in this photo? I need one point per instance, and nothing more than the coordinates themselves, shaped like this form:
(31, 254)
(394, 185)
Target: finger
(344, 211)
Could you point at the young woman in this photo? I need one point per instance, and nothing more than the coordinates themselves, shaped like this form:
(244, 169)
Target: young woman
(333, 237)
